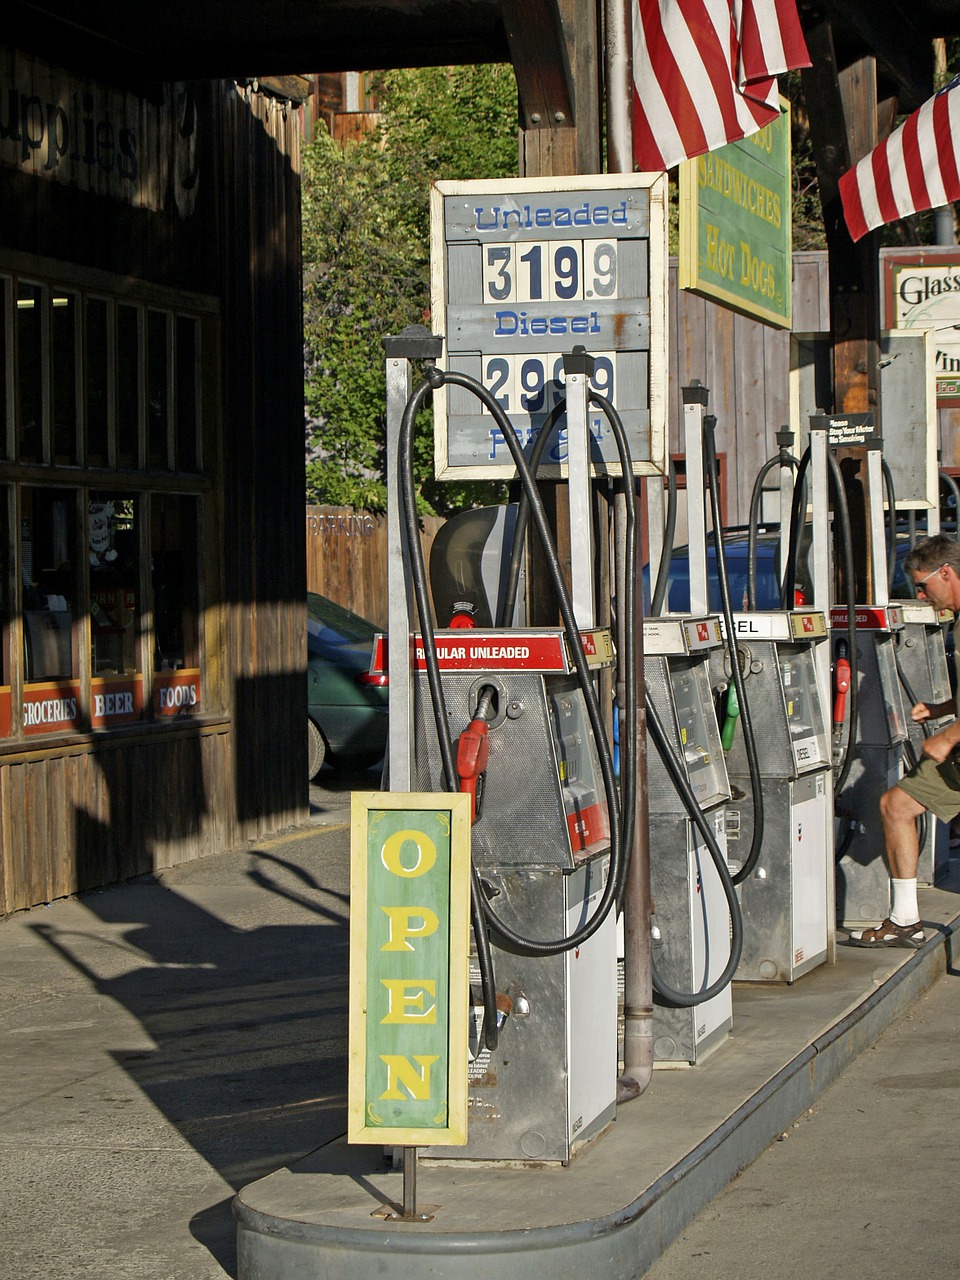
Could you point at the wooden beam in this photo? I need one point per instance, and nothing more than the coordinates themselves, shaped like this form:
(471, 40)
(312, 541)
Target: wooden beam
(554, 149)
(904, 51)
(842, 106)
(538, 50)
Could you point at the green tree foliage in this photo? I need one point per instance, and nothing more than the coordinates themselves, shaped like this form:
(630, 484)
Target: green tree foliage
(366, 248)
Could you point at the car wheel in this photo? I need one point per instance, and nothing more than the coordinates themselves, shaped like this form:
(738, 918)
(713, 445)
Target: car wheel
(316, 750)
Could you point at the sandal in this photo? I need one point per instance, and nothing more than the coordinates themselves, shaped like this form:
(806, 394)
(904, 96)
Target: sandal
(888, 934)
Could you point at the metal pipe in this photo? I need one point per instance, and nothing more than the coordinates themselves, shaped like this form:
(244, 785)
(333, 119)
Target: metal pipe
(637, 913)
(618, 76)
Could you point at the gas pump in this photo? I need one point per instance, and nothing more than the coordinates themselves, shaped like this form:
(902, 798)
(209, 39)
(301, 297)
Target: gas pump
(871, 740)
(694, 947)
(512, 717)
(784, 898)
(785, 894)
(697, 937)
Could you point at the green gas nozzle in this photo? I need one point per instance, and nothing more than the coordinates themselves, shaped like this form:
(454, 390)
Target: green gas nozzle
(730, 719)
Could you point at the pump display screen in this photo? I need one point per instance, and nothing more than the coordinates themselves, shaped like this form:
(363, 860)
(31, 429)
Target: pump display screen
(698, 732)
(937, 662)
(890, 688)
(584, 801)
(808, 737)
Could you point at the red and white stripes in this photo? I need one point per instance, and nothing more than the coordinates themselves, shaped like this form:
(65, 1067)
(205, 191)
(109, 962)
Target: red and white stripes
(705, 73)
(915, 168)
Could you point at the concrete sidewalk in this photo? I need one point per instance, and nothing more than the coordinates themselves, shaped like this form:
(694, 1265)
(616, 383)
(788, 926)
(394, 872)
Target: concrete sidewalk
(162, 1043)
(176, 1040)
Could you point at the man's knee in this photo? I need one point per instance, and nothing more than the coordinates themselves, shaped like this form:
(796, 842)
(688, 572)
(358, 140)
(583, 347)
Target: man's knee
(895, 803)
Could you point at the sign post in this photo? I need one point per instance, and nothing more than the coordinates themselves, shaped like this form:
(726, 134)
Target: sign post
(409, 973)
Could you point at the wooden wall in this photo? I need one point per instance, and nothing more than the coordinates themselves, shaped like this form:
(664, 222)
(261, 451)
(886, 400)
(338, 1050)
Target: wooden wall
(263, 612)
(746, 367)
(85, 809)
(347, 557)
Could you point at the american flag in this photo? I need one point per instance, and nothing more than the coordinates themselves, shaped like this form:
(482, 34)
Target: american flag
(704, 73)
(914, 169)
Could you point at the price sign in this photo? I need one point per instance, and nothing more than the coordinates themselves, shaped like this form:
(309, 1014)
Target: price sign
(524, 271)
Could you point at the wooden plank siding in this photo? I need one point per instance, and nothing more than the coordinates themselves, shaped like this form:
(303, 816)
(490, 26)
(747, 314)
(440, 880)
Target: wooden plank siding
(85, 809)
(347, 557)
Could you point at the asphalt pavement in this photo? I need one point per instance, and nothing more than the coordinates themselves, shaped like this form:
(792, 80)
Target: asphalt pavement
(168, 1042)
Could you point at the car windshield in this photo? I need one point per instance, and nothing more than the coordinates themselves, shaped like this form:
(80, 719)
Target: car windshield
(329, 625)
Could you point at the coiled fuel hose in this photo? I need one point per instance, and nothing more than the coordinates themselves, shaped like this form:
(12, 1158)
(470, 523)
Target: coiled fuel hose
(783, 459)
(433, 379)
(666, 554)
(739, 684)
(668, 995)
(787, 596)
(627, 660)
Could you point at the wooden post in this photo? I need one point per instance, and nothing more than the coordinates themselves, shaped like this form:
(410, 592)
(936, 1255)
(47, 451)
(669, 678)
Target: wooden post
(843, 125)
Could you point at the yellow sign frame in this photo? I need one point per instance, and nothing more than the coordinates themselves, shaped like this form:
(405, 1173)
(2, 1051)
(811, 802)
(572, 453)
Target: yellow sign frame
(736, 237)
(398, 841)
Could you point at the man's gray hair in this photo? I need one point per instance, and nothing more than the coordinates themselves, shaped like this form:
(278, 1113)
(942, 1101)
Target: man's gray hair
(928, 555)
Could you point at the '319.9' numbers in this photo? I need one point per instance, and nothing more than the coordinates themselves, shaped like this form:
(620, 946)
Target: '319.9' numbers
(550, 271)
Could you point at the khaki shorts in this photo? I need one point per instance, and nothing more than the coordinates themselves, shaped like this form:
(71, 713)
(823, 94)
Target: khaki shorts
(935, 786)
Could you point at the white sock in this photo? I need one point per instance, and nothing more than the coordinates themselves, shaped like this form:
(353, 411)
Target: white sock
(905, 909)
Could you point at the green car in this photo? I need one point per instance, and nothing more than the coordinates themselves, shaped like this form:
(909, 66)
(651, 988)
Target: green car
(346, 705)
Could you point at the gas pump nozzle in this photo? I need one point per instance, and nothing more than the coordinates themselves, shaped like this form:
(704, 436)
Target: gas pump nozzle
(473, 751)
(841, 686)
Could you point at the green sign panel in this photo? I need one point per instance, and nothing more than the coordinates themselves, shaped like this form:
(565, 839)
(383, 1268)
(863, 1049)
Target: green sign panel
(409, 979)
(735, 226)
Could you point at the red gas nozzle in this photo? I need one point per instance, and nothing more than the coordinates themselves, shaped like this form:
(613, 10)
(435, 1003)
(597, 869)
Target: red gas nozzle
(473, 751)
(841, 687)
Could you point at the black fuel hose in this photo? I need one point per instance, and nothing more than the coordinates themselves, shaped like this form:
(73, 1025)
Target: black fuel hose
(523, 517)
(410, 524)
(433, 379)
(788, 591)
(782, 459)
(891, 521)
(846, 539)
(666, 554)
(749, 740)
(798, 506)
(626, 660)
(670, 995)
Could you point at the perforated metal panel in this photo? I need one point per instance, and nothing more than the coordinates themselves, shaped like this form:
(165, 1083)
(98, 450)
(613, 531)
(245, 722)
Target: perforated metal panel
(522, 820)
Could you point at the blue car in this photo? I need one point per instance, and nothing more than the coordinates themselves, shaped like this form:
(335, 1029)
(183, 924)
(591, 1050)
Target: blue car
(735, 543)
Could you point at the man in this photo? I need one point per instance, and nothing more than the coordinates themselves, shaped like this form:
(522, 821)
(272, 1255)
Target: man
(934, 782)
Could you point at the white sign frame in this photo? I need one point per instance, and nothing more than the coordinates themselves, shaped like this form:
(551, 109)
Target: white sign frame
(565, 235)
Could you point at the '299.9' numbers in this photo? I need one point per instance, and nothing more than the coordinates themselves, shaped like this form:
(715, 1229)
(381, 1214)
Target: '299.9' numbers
(550, 271)
(534, 384)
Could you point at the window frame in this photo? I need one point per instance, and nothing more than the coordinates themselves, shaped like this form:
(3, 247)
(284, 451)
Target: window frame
(138, 482)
